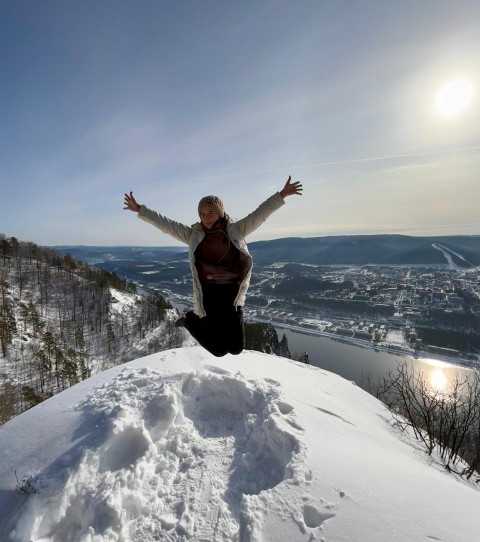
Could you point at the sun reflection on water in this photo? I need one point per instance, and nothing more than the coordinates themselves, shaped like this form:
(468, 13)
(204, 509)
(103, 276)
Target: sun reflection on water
(438, 379)
(438, 374)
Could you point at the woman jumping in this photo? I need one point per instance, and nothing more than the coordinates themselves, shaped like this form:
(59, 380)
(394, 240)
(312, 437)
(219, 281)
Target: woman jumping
(221, 266)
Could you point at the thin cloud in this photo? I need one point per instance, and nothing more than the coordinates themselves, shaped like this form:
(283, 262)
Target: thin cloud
(343, 162)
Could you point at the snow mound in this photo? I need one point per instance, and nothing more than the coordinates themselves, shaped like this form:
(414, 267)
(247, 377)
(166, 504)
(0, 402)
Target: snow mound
(173, 459)
(182, 446)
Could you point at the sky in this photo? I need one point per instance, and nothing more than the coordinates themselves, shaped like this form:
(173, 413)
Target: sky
(176, 100)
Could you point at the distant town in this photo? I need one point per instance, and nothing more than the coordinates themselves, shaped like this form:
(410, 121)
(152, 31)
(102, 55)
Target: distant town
(407, 309)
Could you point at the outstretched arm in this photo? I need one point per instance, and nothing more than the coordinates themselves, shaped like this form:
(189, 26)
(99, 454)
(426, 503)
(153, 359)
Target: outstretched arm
(251, 222)
(291, 188)
(171, 227)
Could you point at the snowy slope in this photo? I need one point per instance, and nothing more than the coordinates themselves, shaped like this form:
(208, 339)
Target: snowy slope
(184, 446)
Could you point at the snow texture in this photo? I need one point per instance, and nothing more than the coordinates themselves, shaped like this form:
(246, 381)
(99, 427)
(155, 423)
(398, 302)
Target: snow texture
(182, 446)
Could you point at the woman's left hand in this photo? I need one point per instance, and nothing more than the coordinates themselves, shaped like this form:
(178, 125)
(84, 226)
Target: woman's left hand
(291, 188)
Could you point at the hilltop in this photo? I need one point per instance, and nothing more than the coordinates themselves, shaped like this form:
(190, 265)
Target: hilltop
(181, 446)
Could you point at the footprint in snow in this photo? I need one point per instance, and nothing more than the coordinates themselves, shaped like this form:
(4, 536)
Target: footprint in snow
(313, 518)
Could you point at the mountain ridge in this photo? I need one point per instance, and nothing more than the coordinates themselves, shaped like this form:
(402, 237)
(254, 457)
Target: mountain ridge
(381, 249)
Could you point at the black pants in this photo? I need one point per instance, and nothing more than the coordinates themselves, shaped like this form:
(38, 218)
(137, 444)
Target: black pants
(221, 331)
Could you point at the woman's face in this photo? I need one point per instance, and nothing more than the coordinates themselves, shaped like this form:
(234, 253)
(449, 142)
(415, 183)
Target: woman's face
(208, 218)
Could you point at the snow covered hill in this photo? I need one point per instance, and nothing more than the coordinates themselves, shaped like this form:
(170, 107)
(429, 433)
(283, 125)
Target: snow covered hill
(180, 446)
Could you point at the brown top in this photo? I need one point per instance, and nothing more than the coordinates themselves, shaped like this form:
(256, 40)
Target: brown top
(217, 259)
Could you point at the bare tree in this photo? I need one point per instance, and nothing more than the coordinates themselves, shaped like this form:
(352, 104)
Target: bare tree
(447, 422)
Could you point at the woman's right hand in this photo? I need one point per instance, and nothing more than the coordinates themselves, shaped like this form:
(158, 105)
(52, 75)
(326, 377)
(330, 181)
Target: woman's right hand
(131, 204)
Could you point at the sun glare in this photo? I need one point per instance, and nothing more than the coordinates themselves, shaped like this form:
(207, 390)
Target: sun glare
(438, 380)
(454, 97)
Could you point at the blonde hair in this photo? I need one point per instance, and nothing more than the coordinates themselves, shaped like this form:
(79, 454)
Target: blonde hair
(212, 203)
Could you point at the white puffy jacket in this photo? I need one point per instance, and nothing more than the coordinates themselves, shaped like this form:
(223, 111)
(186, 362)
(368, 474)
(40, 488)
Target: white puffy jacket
(193, 236)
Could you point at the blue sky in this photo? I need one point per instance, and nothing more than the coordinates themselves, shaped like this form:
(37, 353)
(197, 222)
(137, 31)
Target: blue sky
(179, 99)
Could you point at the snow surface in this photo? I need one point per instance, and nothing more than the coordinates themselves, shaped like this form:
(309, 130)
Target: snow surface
(396, 336)
(182, 446)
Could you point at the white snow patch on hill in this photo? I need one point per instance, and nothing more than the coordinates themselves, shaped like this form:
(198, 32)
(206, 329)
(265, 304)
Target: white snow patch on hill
(183, 446)
(123, 301)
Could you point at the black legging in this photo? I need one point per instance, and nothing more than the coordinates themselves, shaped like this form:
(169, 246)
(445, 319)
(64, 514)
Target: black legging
(221, 331)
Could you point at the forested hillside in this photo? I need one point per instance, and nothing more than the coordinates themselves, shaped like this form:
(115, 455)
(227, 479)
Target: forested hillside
(61, 321)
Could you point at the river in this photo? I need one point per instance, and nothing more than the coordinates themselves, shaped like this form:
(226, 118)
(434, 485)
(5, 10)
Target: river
(351, 361)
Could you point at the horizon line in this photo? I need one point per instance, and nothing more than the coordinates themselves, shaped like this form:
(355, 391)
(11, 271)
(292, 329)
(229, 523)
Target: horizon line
(185, 247)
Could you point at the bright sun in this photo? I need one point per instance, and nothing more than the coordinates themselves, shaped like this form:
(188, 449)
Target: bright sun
(454, 97)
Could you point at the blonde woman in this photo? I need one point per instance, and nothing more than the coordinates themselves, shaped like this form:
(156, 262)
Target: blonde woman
(220, 263)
